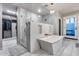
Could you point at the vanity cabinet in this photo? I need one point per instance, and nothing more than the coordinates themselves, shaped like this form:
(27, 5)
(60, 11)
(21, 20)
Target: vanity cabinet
(51, 44)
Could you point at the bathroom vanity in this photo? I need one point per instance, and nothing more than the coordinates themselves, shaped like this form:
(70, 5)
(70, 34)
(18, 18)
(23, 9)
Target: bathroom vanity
(51, 44)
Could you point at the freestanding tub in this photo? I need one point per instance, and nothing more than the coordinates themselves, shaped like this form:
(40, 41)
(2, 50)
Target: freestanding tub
(51, 44)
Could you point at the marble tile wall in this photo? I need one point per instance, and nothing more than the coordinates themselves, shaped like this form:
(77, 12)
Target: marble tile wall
(23, 17)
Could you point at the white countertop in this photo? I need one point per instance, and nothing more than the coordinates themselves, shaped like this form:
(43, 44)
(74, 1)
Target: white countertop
(51, 39)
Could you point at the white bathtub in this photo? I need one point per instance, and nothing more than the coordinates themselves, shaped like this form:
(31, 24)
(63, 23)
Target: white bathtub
(51, 44)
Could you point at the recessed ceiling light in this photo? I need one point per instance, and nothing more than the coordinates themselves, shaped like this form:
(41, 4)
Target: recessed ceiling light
(39, 10)
(39, 16)
(52, 11)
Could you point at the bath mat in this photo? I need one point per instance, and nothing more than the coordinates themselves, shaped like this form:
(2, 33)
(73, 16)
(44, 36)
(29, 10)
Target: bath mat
(17, 50)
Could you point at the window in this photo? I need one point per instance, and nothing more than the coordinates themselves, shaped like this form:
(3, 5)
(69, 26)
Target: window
(67, 20)
(72, 19)
(70, 26)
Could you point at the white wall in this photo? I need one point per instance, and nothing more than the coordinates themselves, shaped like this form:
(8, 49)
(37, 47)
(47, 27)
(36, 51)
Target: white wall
(23, 17)
(53, 19)
(0, 26)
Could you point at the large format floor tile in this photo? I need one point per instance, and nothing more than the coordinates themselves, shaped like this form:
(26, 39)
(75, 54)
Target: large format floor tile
(10, 48)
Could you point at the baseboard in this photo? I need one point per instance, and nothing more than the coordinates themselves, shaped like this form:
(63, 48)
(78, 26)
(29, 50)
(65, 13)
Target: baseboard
(71, 38)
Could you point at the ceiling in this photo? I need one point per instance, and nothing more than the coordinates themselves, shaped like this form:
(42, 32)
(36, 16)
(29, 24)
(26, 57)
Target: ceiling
(63, 8)
(33, 7)
(66, 8)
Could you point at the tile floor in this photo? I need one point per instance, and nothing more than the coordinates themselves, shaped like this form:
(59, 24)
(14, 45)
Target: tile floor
(69, 49)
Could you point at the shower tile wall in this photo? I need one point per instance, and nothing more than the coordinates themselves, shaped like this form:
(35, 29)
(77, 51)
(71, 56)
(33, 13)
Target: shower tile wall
(23, 17)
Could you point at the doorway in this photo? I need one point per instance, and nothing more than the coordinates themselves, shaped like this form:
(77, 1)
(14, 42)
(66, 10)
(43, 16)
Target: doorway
(6, 28)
